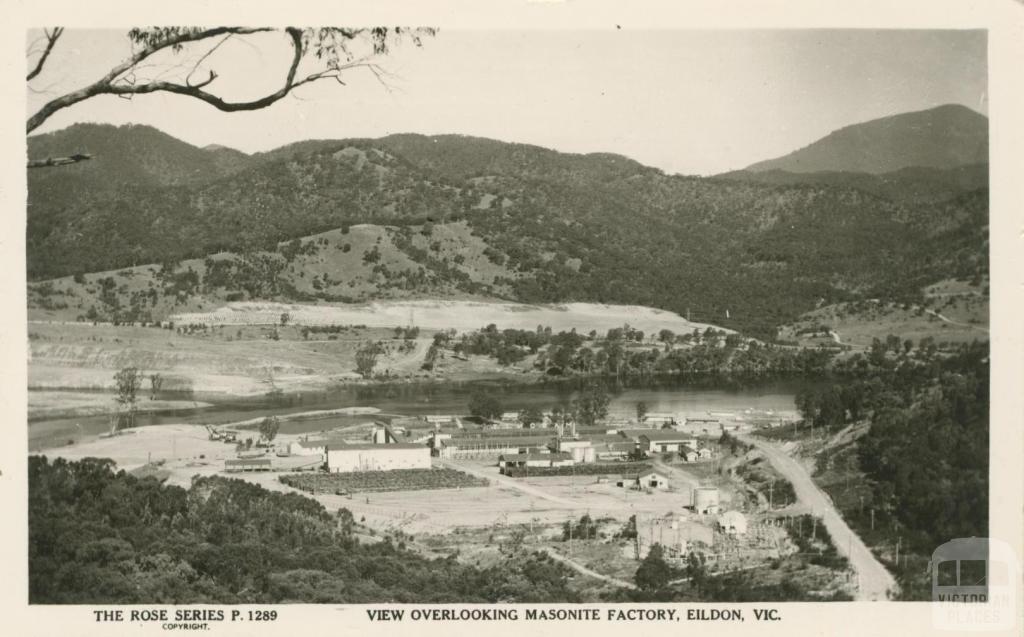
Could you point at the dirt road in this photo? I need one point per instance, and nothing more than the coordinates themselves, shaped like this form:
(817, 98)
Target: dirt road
(579, 568)
(677, 474)
(946, 319)
(874, 581)
(508, 483)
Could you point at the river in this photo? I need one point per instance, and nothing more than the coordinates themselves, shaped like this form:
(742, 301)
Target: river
(659, 394)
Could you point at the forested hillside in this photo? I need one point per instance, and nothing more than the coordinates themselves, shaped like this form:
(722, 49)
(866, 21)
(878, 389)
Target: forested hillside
(100, 537)
(917, 473)
(551, 226)
(906, 185)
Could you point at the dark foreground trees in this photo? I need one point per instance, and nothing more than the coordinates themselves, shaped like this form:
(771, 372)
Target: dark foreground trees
(654, 572)
(100, 537)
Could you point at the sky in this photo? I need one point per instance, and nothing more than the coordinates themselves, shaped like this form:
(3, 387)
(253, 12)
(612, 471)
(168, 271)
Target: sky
(689, 102)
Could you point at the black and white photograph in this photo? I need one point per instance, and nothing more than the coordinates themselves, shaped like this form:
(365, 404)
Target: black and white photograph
(415, 316)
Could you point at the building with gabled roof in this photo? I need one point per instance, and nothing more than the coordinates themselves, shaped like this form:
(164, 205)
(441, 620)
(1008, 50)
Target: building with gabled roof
(688, 454)
(646, 479)
(663, 441)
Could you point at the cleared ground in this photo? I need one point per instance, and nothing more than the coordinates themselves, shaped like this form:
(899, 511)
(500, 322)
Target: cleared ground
(244, 350)
(185, 449)
(441, 314)
(235, 361)
(951, 316)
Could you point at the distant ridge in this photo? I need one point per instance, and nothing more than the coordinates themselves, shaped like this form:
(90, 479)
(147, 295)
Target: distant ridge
(450, 215)
(943, 137)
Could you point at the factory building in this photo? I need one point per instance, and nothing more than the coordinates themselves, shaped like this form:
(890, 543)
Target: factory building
(368, 457)
(490, 446)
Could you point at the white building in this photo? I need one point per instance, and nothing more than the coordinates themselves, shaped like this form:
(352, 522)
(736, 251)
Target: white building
(312, 446)
(663, 441)
(580, 450)
(659, 418)
(534, 459)
(648, 479)
(443, 421)
(733, 523)
(705, 500)
(383, 435)
(366, 457)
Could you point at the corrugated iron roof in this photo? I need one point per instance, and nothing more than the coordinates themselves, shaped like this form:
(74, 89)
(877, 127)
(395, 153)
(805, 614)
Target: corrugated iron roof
(365, 446)
(667, 435)
(523, 457)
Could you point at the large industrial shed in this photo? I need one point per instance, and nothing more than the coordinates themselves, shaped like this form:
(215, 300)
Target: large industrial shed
(367, 457)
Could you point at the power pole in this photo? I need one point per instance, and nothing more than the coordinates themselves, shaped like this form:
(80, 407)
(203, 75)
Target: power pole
(771, 486)
(898, 541)
(571, 520)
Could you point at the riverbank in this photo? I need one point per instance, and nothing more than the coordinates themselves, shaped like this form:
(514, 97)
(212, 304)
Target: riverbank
(69, 361)
(348, 405)
(43, 405)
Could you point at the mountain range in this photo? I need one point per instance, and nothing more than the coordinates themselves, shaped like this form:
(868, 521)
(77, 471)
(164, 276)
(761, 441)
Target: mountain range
(412, 215)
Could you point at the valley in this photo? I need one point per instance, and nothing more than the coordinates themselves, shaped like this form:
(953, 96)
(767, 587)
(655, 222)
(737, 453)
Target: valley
(454, 347)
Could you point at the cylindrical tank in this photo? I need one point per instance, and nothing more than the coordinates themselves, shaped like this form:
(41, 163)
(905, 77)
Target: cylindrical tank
(705, 499)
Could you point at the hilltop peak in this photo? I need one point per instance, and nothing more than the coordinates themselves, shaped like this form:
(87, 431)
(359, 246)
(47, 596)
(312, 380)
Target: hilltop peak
(945, 136)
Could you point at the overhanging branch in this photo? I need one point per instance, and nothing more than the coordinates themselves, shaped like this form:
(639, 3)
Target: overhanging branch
(106, 83)
(51, 39)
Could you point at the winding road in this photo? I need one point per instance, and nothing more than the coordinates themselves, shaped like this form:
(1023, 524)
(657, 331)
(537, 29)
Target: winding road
(874, 582)
(579, 568)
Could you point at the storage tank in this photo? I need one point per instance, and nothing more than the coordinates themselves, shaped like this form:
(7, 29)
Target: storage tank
(705, 500)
